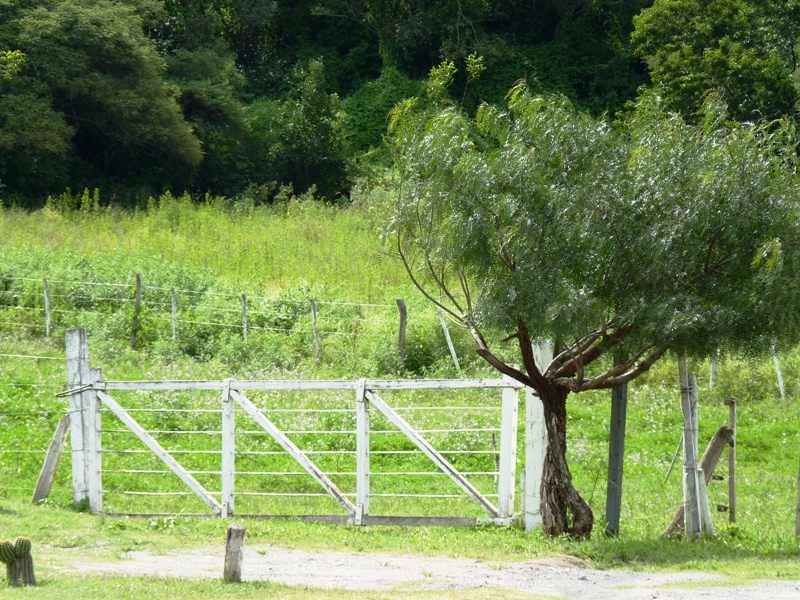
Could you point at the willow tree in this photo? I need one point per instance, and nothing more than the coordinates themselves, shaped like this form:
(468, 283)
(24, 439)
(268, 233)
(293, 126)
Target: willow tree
(619, 242)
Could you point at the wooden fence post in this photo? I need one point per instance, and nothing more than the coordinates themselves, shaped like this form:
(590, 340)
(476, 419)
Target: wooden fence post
(616, 454)
(234, 554)
(46, 308)
(731, 402)
(362, 452)
(77, 365)
(712, 379)
(692, 516)
(317, 352)
(174, 315)
(244, 318)
(401, 334)
(228, 450)
(778, 372)
(137, 301)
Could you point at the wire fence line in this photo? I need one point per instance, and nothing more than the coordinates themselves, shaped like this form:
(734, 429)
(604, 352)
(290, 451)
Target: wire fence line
(135, 309)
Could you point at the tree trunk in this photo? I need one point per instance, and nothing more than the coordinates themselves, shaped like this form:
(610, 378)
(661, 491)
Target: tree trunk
(563, 509)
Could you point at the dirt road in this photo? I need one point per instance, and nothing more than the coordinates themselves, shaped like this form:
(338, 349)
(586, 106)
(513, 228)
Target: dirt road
(559, 577)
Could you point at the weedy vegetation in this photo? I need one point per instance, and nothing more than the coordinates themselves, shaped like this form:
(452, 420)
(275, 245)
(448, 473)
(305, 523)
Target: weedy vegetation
(282, 257)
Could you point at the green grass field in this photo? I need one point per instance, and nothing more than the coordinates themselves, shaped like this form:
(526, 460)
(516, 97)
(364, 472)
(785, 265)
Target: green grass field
(282, 258)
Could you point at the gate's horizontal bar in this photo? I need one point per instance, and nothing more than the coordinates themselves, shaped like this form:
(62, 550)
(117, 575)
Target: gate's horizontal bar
(300, 385)
(345, 520)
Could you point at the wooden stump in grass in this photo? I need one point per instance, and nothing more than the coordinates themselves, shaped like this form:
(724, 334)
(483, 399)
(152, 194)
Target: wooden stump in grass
(234, 553)
(18, 560)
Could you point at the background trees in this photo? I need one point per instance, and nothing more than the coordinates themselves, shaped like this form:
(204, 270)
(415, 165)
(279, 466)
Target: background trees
(620, 243)
(744, 49)
(137, 96)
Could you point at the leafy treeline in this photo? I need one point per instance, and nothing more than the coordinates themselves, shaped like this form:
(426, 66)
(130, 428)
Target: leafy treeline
(234, 97)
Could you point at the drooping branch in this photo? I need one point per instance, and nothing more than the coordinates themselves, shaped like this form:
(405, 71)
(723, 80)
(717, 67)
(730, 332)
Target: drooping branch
(420, 287)
(440, 281)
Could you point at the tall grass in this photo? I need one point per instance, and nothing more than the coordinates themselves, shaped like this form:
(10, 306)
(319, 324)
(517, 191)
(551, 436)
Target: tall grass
(293, 244)
(301, 250)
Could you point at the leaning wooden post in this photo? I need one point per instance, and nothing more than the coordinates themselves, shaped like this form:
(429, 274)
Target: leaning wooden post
(46, 308)
(362, 453)
(616, 454)
(708, 463)
(137, 301)
(48, 473)
(317, 353)
(228, 450)
(77, 365)
(449, 341)
(234, 554)
(731, 402)
(401, 334)
(244, 318)
(508, 449)
(692, 516)
(174, 315)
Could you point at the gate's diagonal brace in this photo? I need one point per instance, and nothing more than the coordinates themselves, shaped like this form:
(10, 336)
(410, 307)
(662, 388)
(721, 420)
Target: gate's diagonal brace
(294, 451)
(159, 451)
(431, 453)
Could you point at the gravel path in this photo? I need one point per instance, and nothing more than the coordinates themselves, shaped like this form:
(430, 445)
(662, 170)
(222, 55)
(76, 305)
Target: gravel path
(560, 577)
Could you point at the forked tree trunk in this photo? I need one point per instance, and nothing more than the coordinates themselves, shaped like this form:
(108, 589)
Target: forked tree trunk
(563, 509)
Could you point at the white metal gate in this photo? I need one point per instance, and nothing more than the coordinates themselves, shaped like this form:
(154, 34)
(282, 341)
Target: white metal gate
(89, 393)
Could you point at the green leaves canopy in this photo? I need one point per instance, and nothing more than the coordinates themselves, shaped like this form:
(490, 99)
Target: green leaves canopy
(94, 82)
(743, 48)
(539, 219)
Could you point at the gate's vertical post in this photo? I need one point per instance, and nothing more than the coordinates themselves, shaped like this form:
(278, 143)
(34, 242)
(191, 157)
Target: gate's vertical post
(94, 480)
(508, 450)
(535, 442)
(362, 452)
(228, 450)
(77, 350)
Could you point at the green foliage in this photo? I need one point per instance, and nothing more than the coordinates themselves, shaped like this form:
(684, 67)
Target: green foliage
(742, 49)
(300, 141)
(368, 107)
(10, 63)
(97, 84)
(561, 222)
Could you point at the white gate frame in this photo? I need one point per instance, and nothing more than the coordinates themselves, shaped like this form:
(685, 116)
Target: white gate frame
(87, 391)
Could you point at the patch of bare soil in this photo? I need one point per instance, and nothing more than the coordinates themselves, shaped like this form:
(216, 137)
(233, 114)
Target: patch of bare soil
(561, 577)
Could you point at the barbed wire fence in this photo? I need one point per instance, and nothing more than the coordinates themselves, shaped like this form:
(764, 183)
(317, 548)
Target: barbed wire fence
(139, 311)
